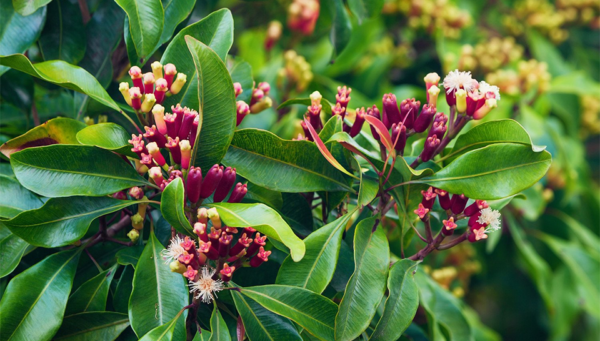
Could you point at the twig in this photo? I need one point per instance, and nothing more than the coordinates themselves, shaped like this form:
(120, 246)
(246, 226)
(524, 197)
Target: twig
(453, 242)
(85, 12)
(93, 260)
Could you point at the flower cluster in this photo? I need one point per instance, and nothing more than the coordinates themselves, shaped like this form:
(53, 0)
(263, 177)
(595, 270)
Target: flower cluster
(431, 15)
(259, 100)
(295, 73)
(482, 219)
(487, 56)
(529, 75)
(303, 15)
(210, 258)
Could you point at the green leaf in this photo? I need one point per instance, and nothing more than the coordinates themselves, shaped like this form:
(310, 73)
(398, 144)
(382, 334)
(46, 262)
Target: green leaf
(146, 18)
(36, 298)
(123, 290)
(63, 170)
(62, 221)
(493, 172)
(342, 27)
(215, 99)
(306, 101)
(18, 31)
(265, 220)
(164, 332)
(172, 207)
(92, 326)
(241, 72)
(56, 131)
(311, 311)
(443, 310)
(12, 248)
(63, 36)
(158, 294)
(107, 136)
(27, 7)
(91, 295)
(364, 9)
(315, 270)
(215, 31)
(367, 284)
(63, 74)
(286, 166)
(544, 51)
(203, 336)
(401, 304)
(15, 199)
(175, 12)
(485, 134)
(261, 324)
(218, 327)
(130, 255)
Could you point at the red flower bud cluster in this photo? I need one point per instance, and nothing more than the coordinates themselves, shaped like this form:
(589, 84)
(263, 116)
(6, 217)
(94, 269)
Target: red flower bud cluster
(259, 100)
(303, 15)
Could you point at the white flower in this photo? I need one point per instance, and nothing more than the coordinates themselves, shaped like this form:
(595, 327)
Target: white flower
(206, 288)
(485, 88)
(459, 80)
(490, 217)
(174, 250)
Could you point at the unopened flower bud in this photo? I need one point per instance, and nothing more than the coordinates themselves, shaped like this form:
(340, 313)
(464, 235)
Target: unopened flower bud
(358, 122)
(202, 215)
(136, 75)
(421, 211)
(160, 90)
(194, 130)
(338, 110)
(214, 236)
(186, 153)
(242, 110)
(186, 124)
(227, 272)
(391, 113)
(225, 184)
(431, 145)
(213, 215)
(159, 117)
(200, 231)
(136, 98)
(461, 101)
(124, 89)
(424, 119)
(133, 235)
(315, 98)
(399, 137)
(174, 149)
(154, 136)
(172, 125)
(157, 70)
(490, 104)
(137, 221)
(257, 243)
(477, 235)
(237, 88)
(261, 257)
(224, 244)
(428, 198)
(155, 174)
(343, 96)
(475, 207)
(170, 71)
(374, 112)
(120, 195)
(238, 193)
(432, 95)
(242, 243)
(409, 109)
(190, 274)
(193, 184)
(438, 129)
(178, 83)
(444, 198)
(265, 87)
(458, 203)
(432, 79)
(211, 181)
(156, 155)
(136, 193)
(273, 34)
(258, 107)
(449, 226)
(148, 83)
(148, 103)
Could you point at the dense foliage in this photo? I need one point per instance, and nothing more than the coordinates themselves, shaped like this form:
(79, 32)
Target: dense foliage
(299, 170)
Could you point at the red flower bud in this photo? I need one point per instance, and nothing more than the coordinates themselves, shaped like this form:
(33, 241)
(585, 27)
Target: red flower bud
(338, 110)
(458, 203)
(343, 96)
(214, 236)
(211, 181)
(314, 115)
(428, 198)
(173, 146)
(170, 71)
(438, 129)
(475, 207)
(444, 198)
(136, 75)
(225, 184)
(358, 122)
(194, 130)
(421, 211)
(237, 88)
(374, 112)
(154, 136)
(257, 95)
(224, 243)
(257, 243)
(399, 137)
(120, 195)
(170, 121)
(136, 98)
(136, 193)
(431, 145)
(160, 90)
(409, 108)
(477, 235)
(179, 119)
(227, 272)
(243, 109)
(449, 226)
(186, 124)
(475, 100)
(200, 231)
(260, 258)
(148, 83)
(391, 113)
(424, 120)
(473, 224)
(306, 131)
(242, 243)
(193, 184)
(238, 193)
(265, 87)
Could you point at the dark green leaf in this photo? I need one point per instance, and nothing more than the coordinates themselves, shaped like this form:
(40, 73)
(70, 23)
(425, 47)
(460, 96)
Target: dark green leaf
(130, 255)
(218, 327)
(493, 172)
(92, 326)
(265, 220)
(19, 30)
(107, 136)
(64, 74)
(286, 166)
(15, 199)
(36, 298)
(311, 311)
(401, 304)
(12, 248)
(261, 324)
(158, 294)
(315, 270)
(241, 72)
(63, 36)
(364, 9)
(214, 97)
(91, 295)
(164, 332)
(264, 196)
(123, 290)
(62, 221)
(172, 207)
(367, 285)
(297, 212)
(27, 7)
(56, 131)
(146, 18)
(63, 170)
(175, 12)
(342, 27)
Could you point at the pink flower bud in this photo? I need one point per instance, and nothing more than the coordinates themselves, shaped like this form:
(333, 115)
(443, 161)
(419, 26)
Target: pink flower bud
(156, 174)
(421, 211)
(242, 110)
(186, 124)
(225, 184)
(211, 181)
(136, 98)
(238, 193)
(261, 257)
(428, 198)
(424, 120)
(139, 148)
(156, 155)
(449, 226)
(242, 243)
(200, 231)
(477, 235)
(227, 272)
(391, 113)
(265, 87)
(186, 258)
(358, 122)
(409, 108)
(257, 96)
(171, 123)
(186, 153)
(399, 137)
(237, 88)
(190, 274)
(136, 193)
(174, 149)
(159, 117)
(193, 185)
(170, 71)
(258, 242)
(148, 83)
(343, 96)
(160, 90)
(136, 75)
(214, 236)
(154, 136)
(458, 203)
(146, 160)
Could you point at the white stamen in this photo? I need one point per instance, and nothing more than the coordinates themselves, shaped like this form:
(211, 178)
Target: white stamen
(456, 80)
(491, 218)
(484, 88)
(174, 250)
(206, 288)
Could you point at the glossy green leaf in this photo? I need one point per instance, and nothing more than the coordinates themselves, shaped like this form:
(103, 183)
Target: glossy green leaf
(38, 294)
(364, 9)
(172, 207)
(91, 295)
(56, 131)
(176, 11)
(18, 31)
(262, 195)
(261, 324)
(62, 221)
(27, 7)
(306, 101)
(342, 27)
(297, 213)
(493, 172)
(315, 270)
(63, 170)
(485, 134)
(241, 72)
(107, 136)
(443, 311)
(63, 74)
(158, 294)
(123, 290)
(63, 36)
(286, 166)
(164, 332)
(146, 18)
(367, 284)
(203, 336)
(215, 99)
(311, 311)
(12, 248)
(215, 31)
(218, 327)
(265, 220)
(401, 304)
(92, 326)
(130, 255)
